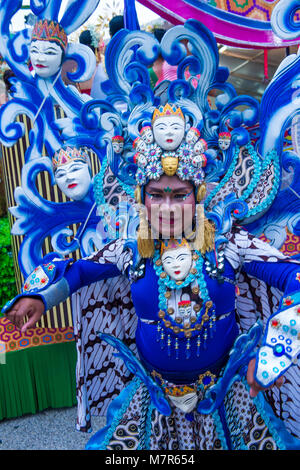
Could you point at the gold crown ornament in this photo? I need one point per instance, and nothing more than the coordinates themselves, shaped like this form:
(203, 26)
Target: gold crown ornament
(173, 244)
(46, 30)
(167, 110)
(117, 138)
(68, 155)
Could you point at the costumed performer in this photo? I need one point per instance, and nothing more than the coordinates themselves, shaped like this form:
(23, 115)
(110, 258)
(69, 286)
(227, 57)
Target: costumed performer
(187, 335)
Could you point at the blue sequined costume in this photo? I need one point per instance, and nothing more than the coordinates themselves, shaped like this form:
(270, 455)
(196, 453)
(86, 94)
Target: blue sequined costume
(178, 363)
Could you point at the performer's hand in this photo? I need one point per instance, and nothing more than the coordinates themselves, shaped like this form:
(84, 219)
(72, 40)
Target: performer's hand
(255, 388)
(31, 307)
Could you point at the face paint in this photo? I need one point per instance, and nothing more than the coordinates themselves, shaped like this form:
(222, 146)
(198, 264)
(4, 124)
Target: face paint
(171, 212)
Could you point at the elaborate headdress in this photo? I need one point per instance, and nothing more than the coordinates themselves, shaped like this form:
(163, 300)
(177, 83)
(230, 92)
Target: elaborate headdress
(68, 155)
(167, 110)
(117, 138)
(45, 30)
(181, 161)
(225, 135)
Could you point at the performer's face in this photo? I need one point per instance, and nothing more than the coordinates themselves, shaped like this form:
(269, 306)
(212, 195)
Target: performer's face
(168, 132)
(177, 262)
(73, 179)
(46, 58)
(170, 205)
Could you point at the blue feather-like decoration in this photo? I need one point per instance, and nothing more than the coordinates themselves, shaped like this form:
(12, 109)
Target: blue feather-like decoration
(135, 367)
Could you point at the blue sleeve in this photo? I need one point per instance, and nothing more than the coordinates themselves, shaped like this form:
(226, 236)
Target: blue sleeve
(54, 281)
(281, 275)
(85, 272)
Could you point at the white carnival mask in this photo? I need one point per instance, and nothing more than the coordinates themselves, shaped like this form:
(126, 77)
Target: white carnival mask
(147, 136)
(224, 144)
(142, 160)
(168, 132)
(197, 161)
(118, 147)
(73, 179)
(177, 262)
(199, 148)
(191, 137)
(46, 58)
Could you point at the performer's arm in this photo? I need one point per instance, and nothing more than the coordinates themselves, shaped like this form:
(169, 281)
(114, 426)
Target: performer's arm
(280, 346)
(284, 276)
(52, 283)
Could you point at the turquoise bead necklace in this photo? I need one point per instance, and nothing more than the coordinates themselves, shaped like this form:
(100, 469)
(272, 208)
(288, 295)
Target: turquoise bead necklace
(170, 332)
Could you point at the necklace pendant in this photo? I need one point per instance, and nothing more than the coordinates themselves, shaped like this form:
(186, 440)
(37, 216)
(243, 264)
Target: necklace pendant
(162, 339)
(205, 339)
(198, 346)
(188, 349)
(158, 333)
(185, 312)
(169, 345)
(176, 349)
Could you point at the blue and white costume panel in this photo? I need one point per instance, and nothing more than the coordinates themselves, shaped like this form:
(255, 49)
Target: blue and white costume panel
(180, 361)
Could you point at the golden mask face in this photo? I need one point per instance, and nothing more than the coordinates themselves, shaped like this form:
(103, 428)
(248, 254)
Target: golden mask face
(170, 165)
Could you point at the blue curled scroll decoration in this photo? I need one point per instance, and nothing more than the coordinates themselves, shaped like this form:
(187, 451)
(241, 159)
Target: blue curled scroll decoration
(32, 207)
(279, 105)
(282, 19)
(225, 213)
(242, 352)
(204, 54)
(127, 57)
(135, 367)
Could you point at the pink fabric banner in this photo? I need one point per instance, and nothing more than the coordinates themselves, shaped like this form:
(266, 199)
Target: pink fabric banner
(235, 23)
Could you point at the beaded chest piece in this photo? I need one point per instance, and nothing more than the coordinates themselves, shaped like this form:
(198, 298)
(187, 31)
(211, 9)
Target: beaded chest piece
(186, 313)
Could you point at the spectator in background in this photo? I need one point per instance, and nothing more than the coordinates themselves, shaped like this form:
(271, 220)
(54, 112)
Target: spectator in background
(6, 79)
(115, 24)
(92, 87)
(161, 70)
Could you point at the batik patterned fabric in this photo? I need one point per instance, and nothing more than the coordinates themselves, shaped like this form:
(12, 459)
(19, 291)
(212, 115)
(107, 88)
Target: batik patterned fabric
(104, 306)
(136, 425)
(257, 300)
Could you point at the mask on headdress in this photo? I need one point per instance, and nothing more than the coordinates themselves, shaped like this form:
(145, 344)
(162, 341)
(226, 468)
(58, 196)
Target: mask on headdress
(170, 153)
(118, 143)
(224, 140)
(72, 172)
